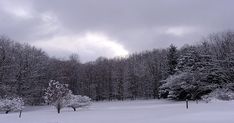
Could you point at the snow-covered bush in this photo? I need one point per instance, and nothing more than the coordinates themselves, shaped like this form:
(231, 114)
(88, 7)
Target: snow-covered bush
(11, 104)
(77, 101)
(57, 94)
(219, 94)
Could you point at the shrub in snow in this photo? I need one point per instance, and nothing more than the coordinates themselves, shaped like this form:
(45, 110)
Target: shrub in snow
(57, 94)
(11, 104)
(219, 94)
(77, 101)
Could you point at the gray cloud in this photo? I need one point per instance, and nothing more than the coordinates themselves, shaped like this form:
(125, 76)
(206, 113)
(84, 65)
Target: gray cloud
(133, 25)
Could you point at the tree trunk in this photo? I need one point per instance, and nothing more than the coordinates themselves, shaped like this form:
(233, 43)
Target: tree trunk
(7, 112)
(58, 109)
(20, 113)
(74, 109)
(187, 104)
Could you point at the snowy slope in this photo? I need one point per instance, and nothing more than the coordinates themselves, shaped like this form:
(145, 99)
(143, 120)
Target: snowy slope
(150, 111)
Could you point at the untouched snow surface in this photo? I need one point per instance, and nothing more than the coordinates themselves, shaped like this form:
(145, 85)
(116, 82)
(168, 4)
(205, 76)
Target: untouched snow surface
(144, 111)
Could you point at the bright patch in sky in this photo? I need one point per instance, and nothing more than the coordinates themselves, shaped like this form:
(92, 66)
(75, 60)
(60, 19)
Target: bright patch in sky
(17, 10)
(89, 46)
(179, 30)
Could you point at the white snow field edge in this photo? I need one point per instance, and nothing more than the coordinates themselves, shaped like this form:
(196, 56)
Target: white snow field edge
(140, 111)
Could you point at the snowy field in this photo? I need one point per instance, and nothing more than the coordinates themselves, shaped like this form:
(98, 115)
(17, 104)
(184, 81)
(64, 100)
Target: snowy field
(148, 111)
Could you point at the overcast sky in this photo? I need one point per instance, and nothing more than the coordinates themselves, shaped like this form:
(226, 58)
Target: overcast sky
(93, 28)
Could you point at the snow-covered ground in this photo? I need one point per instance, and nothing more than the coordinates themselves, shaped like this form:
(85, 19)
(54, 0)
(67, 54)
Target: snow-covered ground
(144, 111)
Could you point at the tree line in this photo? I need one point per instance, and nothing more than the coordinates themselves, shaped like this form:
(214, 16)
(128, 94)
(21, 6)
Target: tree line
(191, 71)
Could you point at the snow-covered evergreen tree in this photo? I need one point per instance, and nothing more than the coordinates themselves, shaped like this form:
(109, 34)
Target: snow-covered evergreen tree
(172, 60)
(187, 82)
(179, 86)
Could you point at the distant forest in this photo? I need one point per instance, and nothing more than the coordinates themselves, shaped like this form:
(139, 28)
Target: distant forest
(189, 72)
